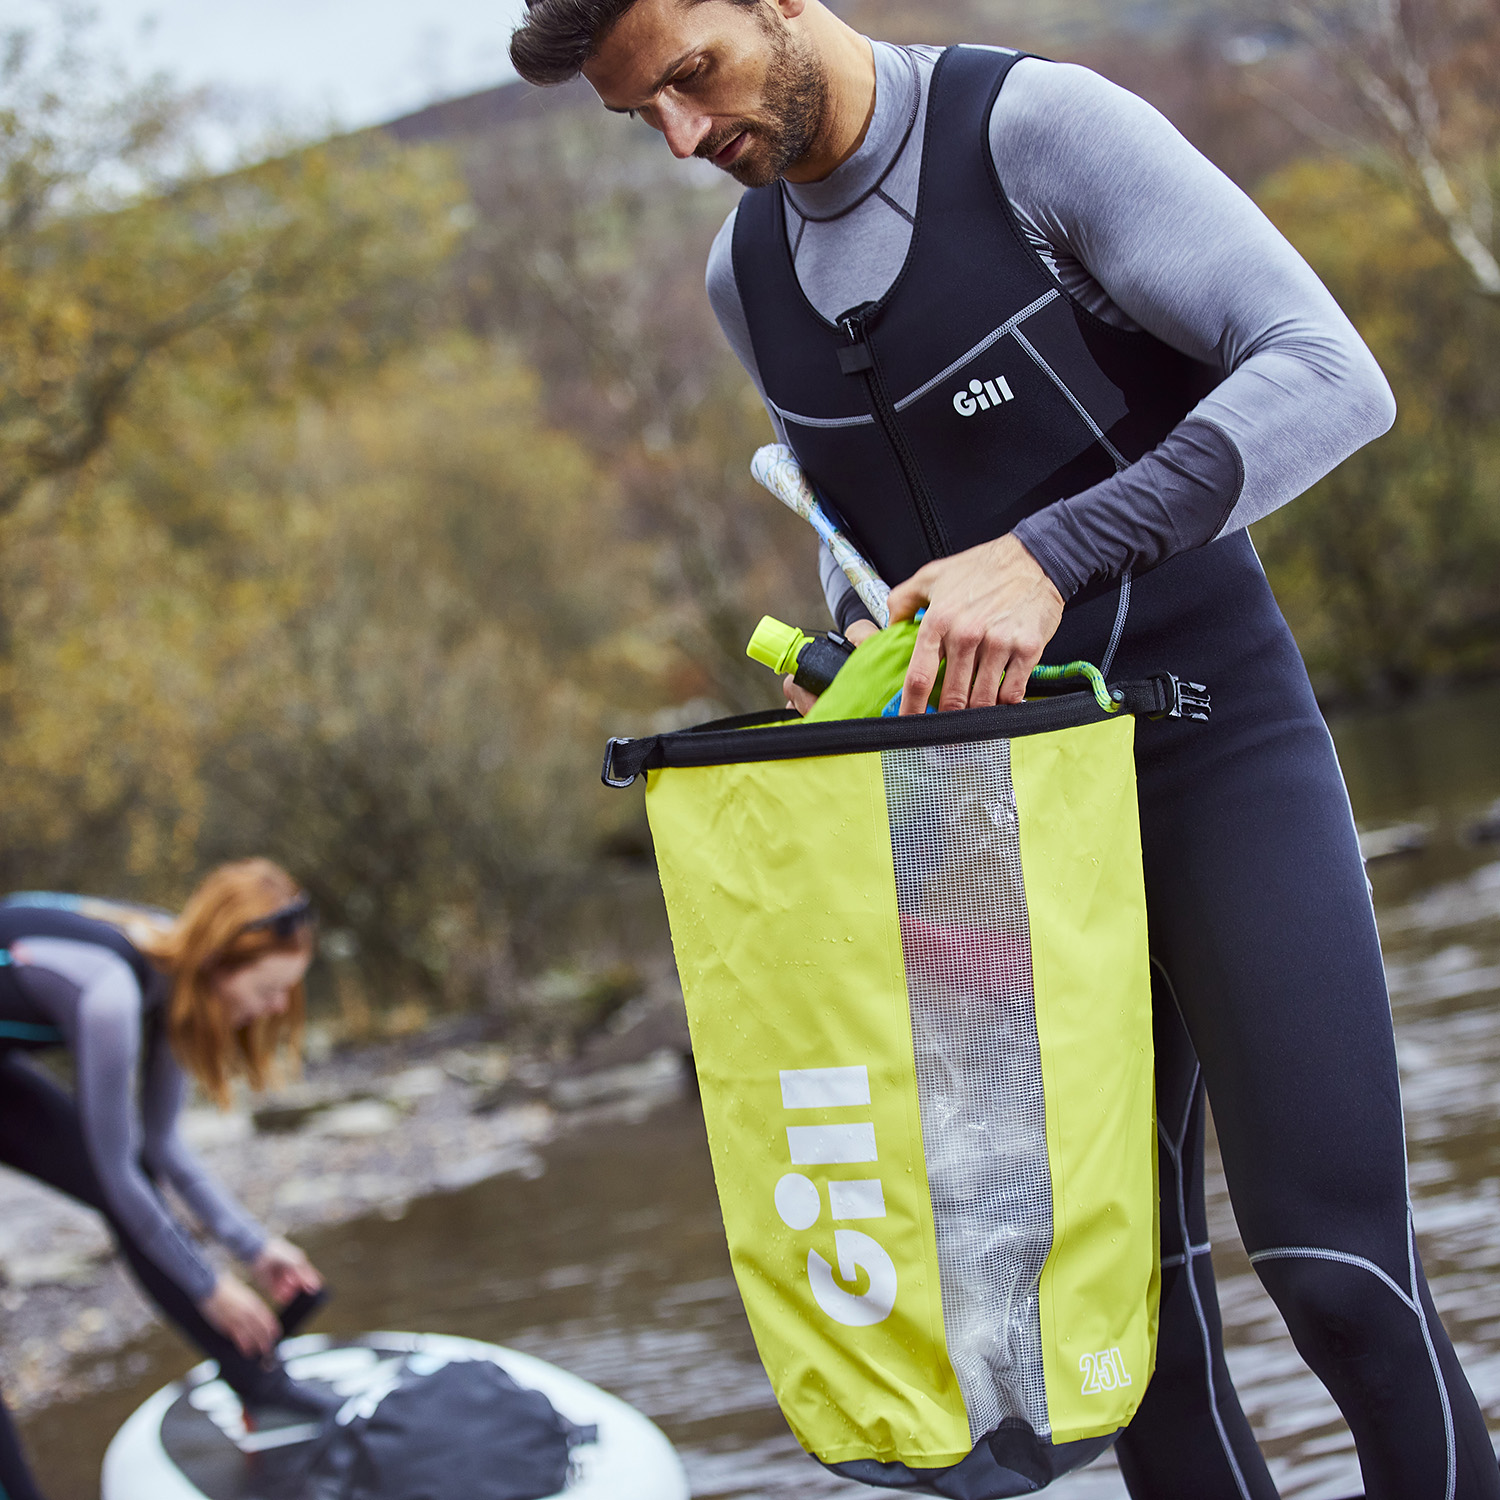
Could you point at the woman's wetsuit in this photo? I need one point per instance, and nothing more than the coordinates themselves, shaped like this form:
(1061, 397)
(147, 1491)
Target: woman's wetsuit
(1269, 986)
(72, 983)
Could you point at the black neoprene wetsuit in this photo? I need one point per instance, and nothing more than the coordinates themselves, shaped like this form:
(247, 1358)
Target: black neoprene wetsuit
(1269, 989)
(79, 984)
(1268, 982)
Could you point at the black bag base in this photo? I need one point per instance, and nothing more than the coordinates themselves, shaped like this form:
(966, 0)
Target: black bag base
(1011, 1460)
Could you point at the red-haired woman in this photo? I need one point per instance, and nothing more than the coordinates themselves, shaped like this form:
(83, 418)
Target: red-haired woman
(141, 1000)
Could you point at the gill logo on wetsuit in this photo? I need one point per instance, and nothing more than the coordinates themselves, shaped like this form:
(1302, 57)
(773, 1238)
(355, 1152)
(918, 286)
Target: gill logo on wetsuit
(799, 1199)
(981, 395)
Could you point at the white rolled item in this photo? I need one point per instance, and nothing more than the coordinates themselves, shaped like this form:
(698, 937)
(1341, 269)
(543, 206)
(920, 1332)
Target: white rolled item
(775, 468)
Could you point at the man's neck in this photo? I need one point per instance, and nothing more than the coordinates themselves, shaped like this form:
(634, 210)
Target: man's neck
(848, 62)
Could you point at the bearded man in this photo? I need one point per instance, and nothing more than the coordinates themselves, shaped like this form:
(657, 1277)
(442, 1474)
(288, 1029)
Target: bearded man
(1048, 363)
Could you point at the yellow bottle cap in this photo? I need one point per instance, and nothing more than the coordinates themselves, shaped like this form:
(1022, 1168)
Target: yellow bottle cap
(776, 645)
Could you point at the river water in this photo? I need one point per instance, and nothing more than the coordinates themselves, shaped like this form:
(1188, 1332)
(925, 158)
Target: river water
(612, 1262)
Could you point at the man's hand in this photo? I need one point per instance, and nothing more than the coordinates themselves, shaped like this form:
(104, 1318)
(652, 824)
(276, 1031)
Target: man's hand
(802, 700)
(990, 613)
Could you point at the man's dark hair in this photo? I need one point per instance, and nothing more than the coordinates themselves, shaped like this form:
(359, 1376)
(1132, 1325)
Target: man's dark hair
(558, 36)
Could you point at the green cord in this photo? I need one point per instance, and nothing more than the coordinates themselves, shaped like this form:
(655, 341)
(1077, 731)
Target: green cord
(1086, 669)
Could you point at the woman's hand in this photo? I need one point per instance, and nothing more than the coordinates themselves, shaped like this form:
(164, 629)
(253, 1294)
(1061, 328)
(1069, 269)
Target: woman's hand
(241, 1317)
(799, 697)
(281, 1270)
(990, 613)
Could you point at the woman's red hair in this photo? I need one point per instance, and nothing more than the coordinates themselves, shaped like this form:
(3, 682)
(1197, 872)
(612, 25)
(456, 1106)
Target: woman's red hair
(210, 939)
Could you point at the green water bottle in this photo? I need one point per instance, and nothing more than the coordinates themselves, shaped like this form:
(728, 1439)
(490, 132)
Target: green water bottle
(867, 683)
(813, 661)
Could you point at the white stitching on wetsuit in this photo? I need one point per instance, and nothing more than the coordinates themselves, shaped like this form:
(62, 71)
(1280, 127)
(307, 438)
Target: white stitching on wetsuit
(1078, 406)
(1312, 1252)
(1412, 1301)
(791, 416)
(1437, 1369)
(1168, 1261)
(1008, 326)
(1121, 611)
(1174, 1151)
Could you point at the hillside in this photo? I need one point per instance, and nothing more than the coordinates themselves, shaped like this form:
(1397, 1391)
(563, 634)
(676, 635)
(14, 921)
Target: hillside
(1172, 52)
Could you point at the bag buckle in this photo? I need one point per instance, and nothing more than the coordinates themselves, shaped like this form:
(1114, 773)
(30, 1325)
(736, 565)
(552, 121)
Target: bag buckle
(1185, 700)
(607, 774)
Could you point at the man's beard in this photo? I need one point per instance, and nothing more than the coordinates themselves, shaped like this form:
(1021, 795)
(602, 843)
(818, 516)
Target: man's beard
(793, 105)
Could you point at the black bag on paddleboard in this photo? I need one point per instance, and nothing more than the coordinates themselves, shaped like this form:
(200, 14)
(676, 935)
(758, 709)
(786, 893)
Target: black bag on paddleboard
(464, 1431)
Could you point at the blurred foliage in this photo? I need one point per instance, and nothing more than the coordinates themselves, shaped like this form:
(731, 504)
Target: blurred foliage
(283, 278)
(350, 511)
(370, 637)
(1419, 80)
(1387, 569)
(590, 251)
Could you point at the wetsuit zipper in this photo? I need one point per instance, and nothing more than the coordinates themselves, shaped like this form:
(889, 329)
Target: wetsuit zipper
(858, 358)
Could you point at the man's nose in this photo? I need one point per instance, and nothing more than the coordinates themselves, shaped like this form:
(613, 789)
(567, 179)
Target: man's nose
(683, 127)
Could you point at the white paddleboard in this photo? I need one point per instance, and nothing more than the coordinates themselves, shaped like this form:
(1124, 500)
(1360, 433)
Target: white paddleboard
(189, 1441)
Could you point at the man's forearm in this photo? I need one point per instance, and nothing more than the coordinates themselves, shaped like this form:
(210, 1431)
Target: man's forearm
(1175, 498)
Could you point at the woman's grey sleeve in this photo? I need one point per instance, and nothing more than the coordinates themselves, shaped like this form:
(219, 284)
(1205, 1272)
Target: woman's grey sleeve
(106, 1049)
(169, 1157)
(1183, 253)
(724, 297)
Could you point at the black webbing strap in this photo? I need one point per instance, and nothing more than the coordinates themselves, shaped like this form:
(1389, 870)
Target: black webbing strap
(781, 736)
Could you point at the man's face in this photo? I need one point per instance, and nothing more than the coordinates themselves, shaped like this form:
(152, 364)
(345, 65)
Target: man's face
(730, 83)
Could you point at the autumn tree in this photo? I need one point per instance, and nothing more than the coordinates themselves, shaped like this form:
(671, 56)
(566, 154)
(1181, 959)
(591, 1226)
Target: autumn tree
(117, 254)
(589, 252)
(1411, 86)
(1387, 568)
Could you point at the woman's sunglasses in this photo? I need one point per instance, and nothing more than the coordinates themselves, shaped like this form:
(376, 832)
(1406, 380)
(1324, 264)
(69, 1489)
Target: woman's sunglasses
(285, 921)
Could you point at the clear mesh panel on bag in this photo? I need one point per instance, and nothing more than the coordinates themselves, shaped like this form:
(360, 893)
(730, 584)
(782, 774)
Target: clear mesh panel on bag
(967, 945)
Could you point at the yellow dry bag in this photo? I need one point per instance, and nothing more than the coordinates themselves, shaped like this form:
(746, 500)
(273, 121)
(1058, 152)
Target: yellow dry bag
(914, 957)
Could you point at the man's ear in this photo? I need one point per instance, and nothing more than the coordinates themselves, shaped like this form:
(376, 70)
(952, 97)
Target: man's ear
(790, 9)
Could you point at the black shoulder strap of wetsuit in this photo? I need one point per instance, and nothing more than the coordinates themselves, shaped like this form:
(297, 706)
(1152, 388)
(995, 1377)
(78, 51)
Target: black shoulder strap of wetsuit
(763, 269)
(19, 921)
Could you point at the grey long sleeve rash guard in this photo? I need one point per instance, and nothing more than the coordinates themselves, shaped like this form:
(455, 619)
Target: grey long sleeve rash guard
(1147, 234)
(129, 1099)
